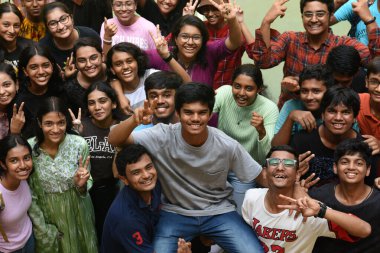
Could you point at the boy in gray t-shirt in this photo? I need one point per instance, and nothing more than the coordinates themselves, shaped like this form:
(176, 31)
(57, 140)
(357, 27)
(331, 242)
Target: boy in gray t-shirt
(193, 161)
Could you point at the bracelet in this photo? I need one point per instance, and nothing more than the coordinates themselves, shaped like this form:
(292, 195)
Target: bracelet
(169, 58)
(322, 210)
(370, 21)
(108, 42)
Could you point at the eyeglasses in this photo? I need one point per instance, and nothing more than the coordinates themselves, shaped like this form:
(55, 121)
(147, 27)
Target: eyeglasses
(52, 24)
(373, 82)
(318, 14)
(128, 5)
(186, 37)
(92, 59)
(206, 9)
(288, 163)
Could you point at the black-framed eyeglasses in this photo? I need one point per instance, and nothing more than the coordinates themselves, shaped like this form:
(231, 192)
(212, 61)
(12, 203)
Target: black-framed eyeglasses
(374, 82)
(186, 37)
(318, 14)
(119, 5)
(63, 20)
(287, 163)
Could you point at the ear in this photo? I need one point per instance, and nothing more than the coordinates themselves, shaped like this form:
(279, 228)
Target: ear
(39, 123)
(25, 73)
(2, 165)
(17, 86)
(123, 179)
(114, 105)
(368, 171)
(113, 72)
(366, 82)
(335, 169)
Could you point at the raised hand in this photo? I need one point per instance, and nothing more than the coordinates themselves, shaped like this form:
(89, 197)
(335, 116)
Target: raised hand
(290, 83)
(70, 68)
(144, 115)
(190, 8)
(240, 15)
(160, 42)
(18, 119)
(306, 205)
(373, 143)
(360, 7)
(303, 162)
(77, 121)
(82, 174)
(257, 121)
(110, 29)
(228, 10)
(277, 9)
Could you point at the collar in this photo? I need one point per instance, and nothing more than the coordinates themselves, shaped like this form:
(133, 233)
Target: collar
(304, 40)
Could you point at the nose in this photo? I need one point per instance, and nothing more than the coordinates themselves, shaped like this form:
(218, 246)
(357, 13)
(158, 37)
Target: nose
(11, 29)
(338, 115)
(145, 174)
(60, 26)
(195, 117)
(55, 128)
(2, 90)
(35, 3)
(97, 106)
(160, 99)
(309, 95)
(242, 92)
(22, 164)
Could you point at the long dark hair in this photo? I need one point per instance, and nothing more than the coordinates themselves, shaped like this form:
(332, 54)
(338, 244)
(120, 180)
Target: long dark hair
(111, 94)
(55, 81)
(50, 104)
(198, 23)
(9, 142)
(7, 7)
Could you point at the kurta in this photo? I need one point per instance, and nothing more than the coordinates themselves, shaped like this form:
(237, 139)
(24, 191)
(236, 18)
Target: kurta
(63, 219)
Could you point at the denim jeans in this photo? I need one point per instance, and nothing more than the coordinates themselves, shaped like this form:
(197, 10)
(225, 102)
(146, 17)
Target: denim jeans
(228, 230)
(239, 189)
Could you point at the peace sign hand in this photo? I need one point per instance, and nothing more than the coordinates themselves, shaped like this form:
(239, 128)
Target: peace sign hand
(77, 122)
(144, 115)
(160, 42)
(229, 10)
(70, 68)
(190, 8)
(18, 119)
(82, 174)
(276, 10)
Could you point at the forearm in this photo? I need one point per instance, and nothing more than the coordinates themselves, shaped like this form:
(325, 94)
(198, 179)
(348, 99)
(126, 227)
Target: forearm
(176, 67)
(121, 134)
(352, 224)
(235, 38)
(249, 38)
(338, 4)
(284, 134)
(265, 31)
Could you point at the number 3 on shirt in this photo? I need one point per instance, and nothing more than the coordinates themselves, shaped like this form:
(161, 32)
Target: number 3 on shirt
(273, 248)
(139, 239)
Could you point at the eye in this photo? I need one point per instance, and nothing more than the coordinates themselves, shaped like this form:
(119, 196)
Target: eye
(27, 157)
(103, 100)
(33, 67)
(81, 60)
(152, 96)
(237, 86)
(46, 65)
(13, 160)
(249, 88)
(90, 102)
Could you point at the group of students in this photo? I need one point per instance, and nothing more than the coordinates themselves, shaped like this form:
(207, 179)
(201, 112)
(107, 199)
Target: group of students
(196, 136)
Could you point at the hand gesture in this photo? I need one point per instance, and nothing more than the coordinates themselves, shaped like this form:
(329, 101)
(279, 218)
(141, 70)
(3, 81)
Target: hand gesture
(70, 68)
(306, 205)
(290, 83)
(277, 9)
(77, 123)
(110, 29)
(240, 15)
(183, 246)
(18, 119)
(373, 143)
(304, 118)
(228, 10)
(82, 174)
(160, 42)
(144, 115)
(125, 105)
(190, 7)
(303, 162)
(361, 9)
(258, 122)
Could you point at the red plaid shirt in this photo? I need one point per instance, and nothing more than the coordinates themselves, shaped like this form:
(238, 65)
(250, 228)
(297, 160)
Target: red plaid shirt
(293, 48)
(226, 66)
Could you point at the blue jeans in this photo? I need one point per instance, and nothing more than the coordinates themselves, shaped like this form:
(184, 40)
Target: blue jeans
(228, 230)
(239, 189)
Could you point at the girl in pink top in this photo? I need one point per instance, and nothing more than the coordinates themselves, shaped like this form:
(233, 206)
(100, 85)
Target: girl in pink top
(15, 167)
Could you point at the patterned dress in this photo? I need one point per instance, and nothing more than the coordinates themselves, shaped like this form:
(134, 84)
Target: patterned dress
(63, 219)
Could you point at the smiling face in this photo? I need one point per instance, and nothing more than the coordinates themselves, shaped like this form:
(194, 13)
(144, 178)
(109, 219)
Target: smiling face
(33, 8)
(89, 61)
(18, 163)
(141, 176)
(280, 175)
(166, 6)
(59, 23)
(212, 14)
(315, 18)
(165, 102)
(39, 70)
(8, 90)
(189, 42)
(53, 126)
(194, 118)
(125, 11)
(9, 26)
(125, 67)
(338, 119)
(351, 169)
(311, 94)
(100, 106)
(373, 85)
(244, 90)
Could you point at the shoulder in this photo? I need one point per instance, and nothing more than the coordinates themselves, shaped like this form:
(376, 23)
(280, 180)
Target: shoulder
(223, 138)
(224, 91)
(269, 104)
(142, 20)
(252, 195)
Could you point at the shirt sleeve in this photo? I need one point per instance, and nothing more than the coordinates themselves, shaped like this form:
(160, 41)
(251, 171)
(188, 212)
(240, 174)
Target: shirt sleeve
(345, 12)
(266, 57)
(284, 114)
(364, 51)
(244, 166)
(374, 43)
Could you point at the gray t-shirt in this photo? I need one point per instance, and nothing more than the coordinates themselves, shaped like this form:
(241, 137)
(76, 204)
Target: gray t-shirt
(194, 179)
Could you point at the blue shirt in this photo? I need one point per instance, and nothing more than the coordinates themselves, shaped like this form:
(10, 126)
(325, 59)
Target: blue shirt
(129, 225)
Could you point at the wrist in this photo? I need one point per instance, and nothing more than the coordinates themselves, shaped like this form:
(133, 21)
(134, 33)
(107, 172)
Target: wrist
(168, 58)
(322, 210)
(369, 21)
